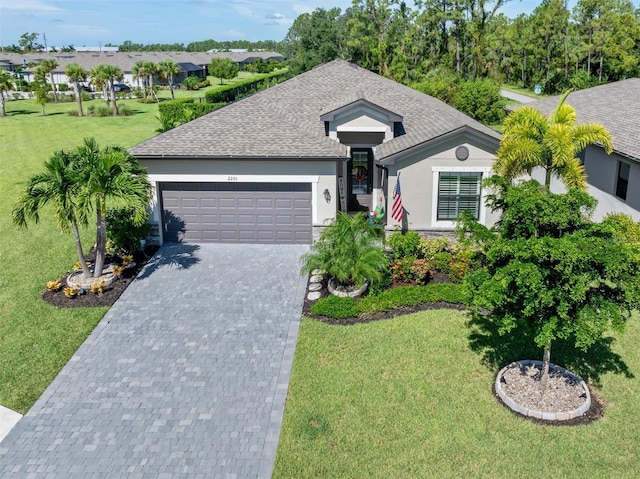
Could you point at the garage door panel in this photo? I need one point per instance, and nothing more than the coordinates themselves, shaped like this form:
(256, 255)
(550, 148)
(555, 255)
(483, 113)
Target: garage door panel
(237, 212)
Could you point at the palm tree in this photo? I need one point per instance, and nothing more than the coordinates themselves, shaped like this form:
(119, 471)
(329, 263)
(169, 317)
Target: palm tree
(106, 76)
(6, 84)
(140, 74)
(151, 69)
(531, 140)
(167, 69)
(115, 176)
(59, 186)
(47, 67)
(76, 74)
(99, 80)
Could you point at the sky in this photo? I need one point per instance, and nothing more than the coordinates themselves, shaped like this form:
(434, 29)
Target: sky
(98, 22)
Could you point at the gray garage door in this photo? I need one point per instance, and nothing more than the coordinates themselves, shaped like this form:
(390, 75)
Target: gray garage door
(237, 212)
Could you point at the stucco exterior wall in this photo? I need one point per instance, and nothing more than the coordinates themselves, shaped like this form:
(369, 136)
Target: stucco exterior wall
(602, 175)
(321, 175)
(419, 181)
(361, 119)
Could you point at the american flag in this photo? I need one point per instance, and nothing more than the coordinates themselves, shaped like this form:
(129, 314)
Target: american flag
(396, 210)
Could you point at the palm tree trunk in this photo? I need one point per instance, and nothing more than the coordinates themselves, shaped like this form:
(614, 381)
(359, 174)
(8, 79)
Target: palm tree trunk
(76, 91)
(113, 98)
(173, 97)
(547, 179)
(101, 238)
(53, 86)
(2, 110)
(544, 373)
(81, 256)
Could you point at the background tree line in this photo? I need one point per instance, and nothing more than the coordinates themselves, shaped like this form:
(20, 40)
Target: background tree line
(596, 41)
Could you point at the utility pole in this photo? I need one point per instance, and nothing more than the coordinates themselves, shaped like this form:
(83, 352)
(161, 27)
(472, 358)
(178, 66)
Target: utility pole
(44, 36)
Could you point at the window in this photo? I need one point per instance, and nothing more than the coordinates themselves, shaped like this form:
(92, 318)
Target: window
(458, 192)
(360, 164)
(623, 180)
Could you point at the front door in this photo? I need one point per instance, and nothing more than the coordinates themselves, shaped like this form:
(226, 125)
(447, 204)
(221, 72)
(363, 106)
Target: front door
(360, 179)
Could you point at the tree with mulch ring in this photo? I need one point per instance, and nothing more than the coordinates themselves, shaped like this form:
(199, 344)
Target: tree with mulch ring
(552, 274)
(55, 293)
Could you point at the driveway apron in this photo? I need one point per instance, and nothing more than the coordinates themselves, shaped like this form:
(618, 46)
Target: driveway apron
(185, 376)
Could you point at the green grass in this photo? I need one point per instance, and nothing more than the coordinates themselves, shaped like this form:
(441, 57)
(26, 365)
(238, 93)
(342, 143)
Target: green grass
(411, 397)
(37, 339)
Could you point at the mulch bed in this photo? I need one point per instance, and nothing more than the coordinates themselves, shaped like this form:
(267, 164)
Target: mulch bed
(367, 318)
(110, 294)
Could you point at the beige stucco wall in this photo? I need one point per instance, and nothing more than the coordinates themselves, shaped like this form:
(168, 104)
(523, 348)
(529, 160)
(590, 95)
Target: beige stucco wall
(418, 180)
(602, 174)
(321, 175)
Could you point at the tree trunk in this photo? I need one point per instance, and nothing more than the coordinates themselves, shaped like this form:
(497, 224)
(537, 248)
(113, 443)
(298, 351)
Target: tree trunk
(600, 68)
(76, 91)
(173, 97)
(544, 372)
(81, 257)
(113, 98)
(2, 110)
(547, 179)
(101, 238)
(53, 87)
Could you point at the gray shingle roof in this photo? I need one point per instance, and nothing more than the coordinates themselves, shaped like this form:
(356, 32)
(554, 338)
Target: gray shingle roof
(284, 121)
(616, 106)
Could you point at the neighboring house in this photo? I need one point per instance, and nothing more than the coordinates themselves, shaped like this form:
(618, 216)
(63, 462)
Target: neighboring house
(190, 62)
(277, 166)
(614, 180)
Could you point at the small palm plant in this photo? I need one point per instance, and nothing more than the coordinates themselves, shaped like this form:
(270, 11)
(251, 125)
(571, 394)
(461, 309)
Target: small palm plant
(349, 251)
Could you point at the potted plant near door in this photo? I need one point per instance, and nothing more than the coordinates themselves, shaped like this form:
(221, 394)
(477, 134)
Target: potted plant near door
(349, 251)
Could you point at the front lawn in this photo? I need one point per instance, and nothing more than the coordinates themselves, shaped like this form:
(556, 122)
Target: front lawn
(37, 339)
(411, 397)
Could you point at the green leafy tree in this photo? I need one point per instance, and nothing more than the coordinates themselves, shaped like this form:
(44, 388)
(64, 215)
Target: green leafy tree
(550, 270)
(223, 68)
(58, 186)
(29, 42)
(76, 74)
(151, 69)
(168, 68)
(480, 99)
(110, 177)
(42, 97)
(46, 68)
(349, 251)
(100, 81)
(141, 75)
(6, 84)
(531, 140)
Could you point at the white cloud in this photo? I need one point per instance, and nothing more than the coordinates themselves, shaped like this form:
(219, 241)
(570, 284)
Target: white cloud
(29, 6)
(88, 30)
(275, 16)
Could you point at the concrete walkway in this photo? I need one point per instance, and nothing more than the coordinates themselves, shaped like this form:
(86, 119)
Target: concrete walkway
(8, 420)
(185, 376)
(517, 96)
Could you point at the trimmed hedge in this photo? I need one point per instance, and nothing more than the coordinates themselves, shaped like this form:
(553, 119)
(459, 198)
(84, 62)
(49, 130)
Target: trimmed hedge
(236, 91)
(183, 110)
(340, 308)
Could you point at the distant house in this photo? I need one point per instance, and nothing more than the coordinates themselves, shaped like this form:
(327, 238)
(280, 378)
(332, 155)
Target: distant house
(614, 180)
(276, 166)
(192, 63)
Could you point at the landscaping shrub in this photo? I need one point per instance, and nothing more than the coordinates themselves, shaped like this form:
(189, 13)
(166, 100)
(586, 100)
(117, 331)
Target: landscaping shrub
(235, 91)
(192, 83)
(411, 270)
(412, 296)
(123, 237)
(72, 112)
(442, 261)
(429, 248)
(99, 110)
(124, 110)
(349, 251)
(177, 112)
(405, 245)
(335, 307)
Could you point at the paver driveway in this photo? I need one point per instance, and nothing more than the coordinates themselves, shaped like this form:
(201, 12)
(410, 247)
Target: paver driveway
(186, 376)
